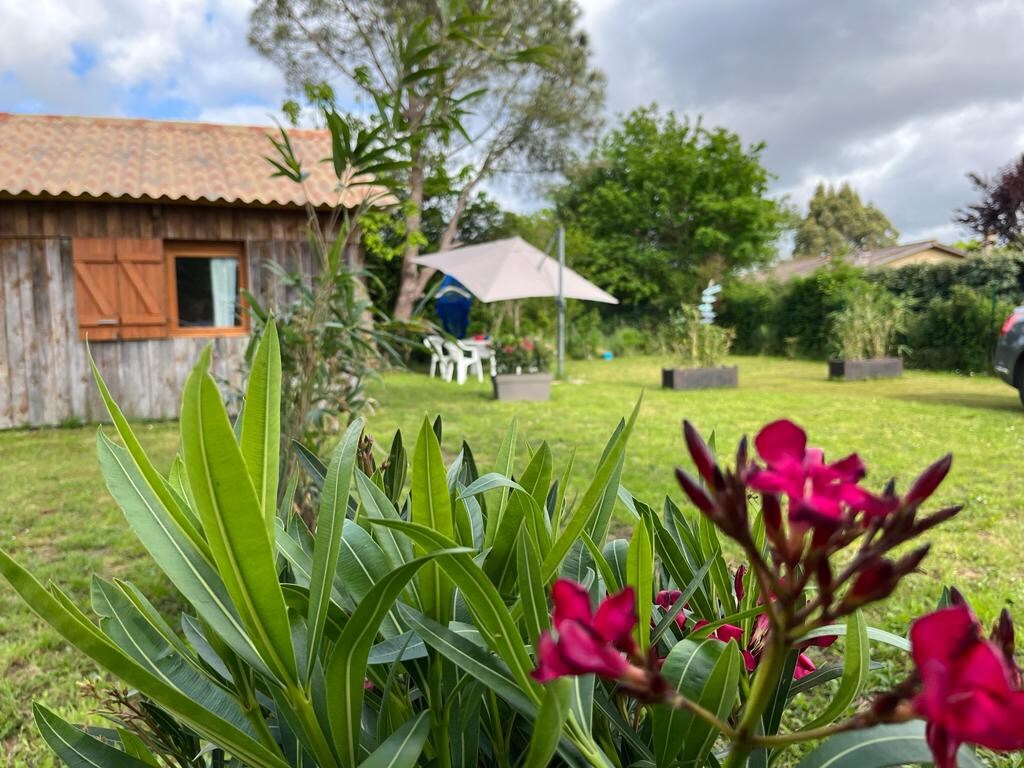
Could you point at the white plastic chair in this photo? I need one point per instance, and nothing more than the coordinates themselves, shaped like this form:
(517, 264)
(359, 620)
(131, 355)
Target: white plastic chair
(439, 360)
(463, 359)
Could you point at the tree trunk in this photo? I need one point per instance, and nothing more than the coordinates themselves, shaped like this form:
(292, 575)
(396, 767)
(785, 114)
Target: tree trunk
(410, 290)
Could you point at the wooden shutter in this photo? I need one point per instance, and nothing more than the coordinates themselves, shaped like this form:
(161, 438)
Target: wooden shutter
(141, 288)
(96, 292)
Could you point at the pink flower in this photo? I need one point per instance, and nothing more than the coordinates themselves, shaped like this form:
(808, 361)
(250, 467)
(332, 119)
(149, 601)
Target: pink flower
(587, 642)
(819, 494)
(666, 599)
(970, 687)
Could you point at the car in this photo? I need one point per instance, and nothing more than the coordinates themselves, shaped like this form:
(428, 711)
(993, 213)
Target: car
(1009, 363)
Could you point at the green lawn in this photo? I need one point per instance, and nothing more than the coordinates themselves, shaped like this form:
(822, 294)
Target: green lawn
(56, 515)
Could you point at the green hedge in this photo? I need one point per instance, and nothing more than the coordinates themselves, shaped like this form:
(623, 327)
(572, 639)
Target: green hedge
(1002, 272)
(957, 309)
(956, 333)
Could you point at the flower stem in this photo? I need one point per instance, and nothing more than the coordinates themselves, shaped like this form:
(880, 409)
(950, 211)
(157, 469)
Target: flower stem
(766, 679)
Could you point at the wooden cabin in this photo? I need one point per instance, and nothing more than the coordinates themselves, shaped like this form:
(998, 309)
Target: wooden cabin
(139, 236)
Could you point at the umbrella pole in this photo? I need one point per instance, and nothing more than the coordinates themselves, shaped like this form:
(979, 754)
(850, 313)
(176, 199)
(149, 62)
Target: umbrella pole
(560, 365)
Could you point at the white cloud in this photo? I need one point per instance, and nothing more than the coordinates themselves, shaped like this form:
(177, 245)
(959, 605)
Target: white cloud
(157, 58)
(900, 99)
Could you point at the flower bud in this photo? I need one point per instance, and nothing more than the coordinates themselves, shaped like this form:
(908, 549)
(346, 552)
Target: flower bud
(696, 494)
(928, 481)
(1002, 636)
(771, 512)
(874, 582)
(737, 582)
(701, 455)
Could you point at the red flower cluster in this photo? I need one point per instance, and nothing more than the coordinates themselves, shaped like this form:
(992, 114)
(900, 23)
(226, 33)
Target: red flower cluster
(819, 494)
(970, 687)
(750, 648)
(587, 642)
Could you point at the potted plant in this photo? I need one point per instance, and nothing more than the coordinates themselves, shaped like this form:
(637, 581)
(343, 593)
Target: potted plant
(522, 367)
(701, 347)
(864, 337)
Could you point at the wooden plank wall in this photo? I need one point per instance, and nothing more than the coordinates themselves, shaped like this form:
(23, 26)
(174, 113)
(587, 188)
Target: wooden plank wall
(44, 376)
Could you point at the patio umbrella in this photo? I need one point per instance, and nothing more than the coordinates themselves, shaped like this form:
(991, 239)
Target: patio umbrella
(504, 270)
(512, 269)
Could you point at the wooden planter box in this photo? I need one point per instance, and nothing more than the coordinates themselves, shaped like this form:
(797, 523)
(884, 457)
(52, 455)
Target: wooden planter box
(522, 386)
(859, 370)
(700, 378)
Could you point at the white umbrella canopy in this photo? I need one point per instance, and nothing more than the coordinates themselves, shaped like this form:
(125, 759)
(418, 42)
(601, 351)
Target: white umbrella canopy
(509, 269)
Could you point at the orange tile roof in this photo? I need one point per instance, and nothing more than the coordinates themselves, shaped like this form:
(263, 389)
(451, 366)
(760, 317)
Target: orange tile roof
(100, 157)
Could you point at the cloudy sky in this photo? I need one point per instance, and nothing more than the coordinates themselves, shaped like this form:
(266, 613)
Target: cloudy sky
(902, 99)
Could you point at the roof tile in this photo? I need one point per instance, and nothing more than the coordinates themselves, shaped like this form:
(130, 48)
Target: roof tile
(47, 155)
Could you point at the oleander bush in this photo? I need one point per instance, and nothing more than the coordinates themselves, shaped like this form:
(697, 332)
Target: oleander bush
(439, 613)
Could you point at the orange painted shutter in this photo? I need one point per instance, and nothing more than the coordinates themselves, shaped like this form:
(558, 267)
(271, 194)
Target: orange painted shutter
(96, 290)
(142, 288)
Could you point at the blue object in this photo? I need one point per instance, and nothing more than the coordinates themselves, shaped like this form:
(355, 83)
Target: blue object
(453, 305)
(607, 355)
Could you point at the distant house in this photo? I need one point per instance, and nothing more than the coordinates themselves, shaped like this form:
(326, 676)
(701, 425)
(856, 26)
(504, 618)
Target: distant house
(924, 252)
(139, 235)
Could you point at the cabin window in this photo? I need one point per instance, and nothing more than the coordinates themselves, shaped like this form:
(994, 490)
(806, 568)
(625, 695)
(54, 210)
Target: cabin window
(206, 283)
(132, 288)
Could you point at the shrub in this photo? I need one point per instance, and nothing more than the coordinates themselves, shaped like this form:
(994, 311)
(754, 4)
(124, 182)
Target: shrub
(957, 333)
(868, 326)
(751, 310)
(413, 628)
(695, 342)
(804, 311)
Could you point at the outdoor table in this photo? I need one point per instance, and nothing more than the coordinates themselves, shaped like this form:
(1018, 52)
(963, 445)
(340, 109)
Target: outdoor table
(484, 348)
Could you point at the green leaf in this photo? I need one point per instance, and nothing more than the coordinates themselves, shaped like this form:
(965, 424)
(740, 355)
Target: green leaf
(317, 469)
(883, 745)
(856, 667)
(132, 631)
(668, 619)
(535, 604)
(183, 517)
(640, 576)
(74, 627)
(506, 457)
(233, 520)
(77, 748)
(547, 728)
(346, 668)
(471, 659)
(878, 635)
(261, 423)
(432, 508)
(333, 507)
(377, 505)
(362, 564)
(395, 469)
(402, 749)
(706, 672)
(489, 612)
(590, 505)
(172, 550)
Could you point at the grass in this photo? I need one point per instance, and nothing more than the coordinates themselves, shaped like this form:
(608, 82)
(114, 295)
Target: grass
(58, 519)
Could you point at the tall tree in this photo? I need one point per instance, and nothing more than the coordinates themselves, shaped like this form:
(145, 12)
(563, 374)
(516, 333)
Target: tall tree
(837, 223)
(662, 204)
(1000, 212)
(475, 88)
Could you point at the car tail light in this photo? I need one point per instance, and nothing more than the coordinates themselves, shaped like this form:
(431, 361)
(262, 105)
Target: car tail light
(1011, 321)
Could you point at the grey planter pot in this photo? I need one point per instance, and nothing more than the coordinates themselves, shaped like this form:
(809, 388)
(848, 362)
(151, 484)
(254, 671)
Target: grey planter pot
(700, 378)
(859, 370)
(522, 386)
